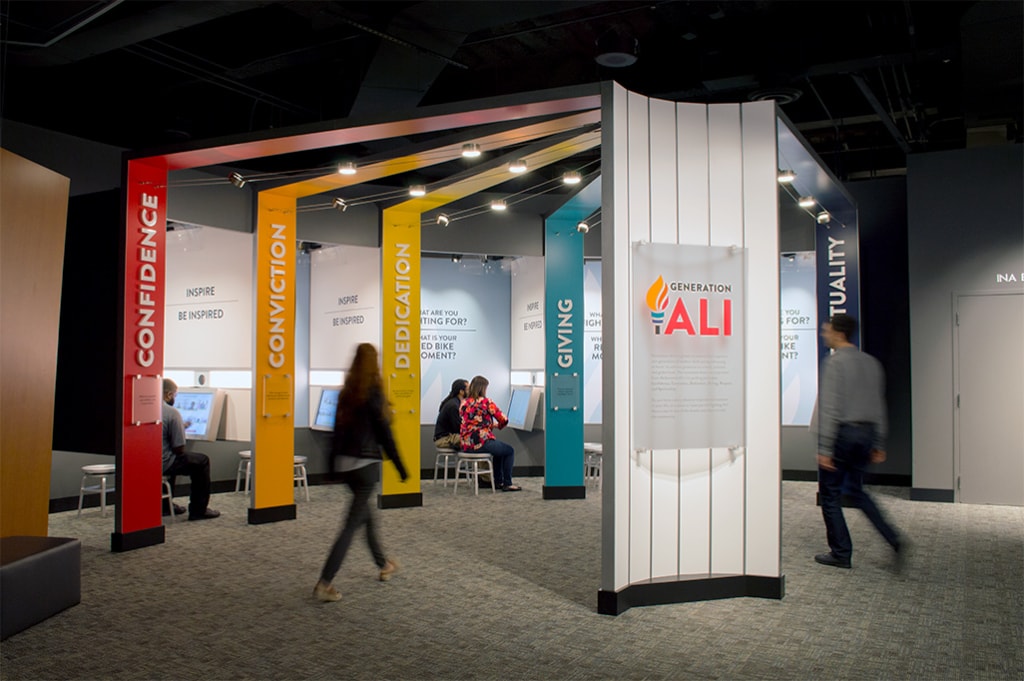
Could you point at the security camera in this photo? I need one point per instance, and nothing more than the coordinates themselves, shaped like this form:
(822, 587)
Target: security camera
(583, 228)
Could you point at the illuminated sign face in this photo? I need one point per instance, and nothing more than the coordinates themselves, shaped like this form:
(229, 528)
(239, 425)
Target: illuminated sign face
(714, 315)
(688, 346)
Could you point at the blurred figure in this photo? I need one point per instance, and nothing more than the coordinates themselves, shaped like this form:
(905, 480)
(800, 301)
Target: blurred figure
(362, 431)
(852, 427)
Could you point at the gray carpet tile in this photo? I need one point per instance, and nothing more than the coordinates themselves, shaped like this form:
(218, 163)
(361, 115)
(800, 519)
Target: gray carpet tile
(505, 587)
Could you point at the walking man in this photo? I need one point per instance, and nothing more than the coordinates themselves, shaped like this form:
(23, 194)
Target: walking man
(852, 427)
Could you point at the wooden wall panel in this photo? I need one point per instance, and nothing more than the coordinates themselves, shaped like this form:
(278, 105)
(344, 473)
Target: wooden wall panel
(33, 218)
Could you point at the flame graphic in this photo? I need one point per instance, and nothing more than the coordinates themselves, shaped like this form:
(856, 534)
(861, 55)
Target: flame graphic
(657, 295)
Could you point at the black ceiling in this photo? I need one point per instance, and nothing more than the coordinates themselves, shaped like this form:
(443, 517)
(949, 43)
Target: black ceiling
(865, 82)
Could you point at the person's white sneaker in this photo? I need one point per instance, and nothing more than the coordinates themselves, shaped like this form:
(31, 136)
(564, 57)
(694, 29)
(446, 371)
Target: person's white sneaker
(326, 593)
(389, 569)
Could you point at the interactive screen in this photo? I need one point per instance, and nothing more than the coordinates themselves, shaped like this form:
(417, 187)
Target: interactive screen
(326, 409)
(200, 409)
(522, 407)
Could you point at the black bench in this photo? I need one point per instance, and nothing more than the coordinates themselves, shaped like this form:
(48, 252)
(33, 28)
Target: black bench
(39, 577)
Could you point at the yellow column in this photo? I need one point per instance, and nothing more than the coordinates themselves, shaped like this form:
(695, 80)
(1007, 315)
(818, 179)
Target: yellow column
(273, 422)
(400, 351)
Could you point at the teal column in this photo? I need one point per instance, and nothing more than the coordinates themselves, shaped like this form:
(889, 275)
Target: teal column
(563, 335)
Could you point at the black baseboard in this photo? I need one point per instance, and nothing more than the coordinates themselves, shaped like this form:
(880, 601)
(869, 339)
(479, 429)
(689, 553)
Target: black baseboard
(410, 500)
(923, 494)
(271, 514)
(565, 492)
(887, 479)
(690, 590)
(129, 541)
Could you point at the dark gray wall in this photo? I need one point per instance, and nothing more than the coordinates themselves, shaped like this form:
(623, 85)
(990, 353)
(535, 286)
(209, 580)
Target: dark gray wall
(966, 225)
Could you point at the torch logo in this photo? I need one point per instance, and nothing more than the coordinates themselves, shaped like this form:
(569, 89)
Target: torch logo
(657, 301)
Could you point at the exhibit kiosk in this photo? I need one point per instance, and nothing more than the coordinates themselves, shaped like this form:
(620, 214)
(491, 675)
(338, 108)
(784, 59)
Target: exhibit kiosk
(689, 320)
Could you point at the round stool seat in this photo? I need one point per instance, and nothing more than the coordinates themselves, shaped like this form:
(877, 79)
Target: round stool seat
(300, 459)
(99, 469)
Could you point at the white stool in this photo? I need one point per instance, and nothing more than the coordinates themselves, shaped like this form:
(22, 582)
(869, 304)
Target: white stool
(244, 468)
(300, 474)
(96, 477)
(473, 465)
(446, 458)
(168, 494)
(592, 462)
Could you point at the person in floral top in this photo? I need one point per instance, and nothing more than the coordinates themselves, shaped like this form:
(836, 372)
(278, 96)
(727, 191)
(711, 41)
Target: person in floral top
(479, 416)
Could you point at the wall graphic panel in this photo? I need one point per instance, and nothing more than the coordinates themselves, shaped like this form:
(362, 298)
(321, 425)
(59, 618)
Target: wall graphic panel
(208, 311)
(528, 314)
(464, 329)
(799, 338)
(344, 304)
(592, 342)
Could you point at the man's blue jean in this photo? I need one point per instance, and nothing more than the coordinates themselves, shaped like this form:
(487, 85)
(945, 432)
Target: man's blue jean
(504, 456)
(850, 455)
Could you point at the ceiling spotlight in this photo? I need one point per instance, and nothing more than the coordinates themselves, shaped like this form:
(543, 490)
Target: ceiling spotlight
(517, 166)
(572, 177)
(456, 258)
(498, 204)
(583, 227)
(443, 220)
(806, 201)
(471, 150)
(237, 180)
(339, 204)
(347, 168)
(824, 218)
(418, 190)
(616, 50)
(786, 176)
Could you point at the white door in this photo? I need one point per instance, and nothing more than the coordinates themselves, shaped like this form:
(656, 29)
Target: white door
(990, 374)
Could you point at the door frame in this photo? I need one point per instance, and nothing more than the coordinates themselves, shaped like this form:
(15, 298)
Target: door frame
(956, 296)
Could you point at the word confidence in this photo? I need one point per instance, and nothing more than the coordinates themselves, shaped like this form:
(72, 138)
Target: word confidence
(145, 336)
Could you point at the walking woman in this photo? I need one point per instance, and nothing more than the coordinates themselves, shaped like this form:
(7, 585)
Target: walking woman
(479, 416)
(362, 430)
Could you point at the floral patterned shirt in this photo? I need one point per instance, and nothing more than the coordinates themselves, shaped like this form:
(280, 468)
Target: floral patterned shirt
(479, 415)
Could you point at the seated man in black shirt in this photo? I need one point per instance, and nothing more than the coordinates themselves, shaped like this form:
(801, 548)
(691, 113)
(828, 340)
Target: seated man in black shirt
(179, 462)
(446, 431)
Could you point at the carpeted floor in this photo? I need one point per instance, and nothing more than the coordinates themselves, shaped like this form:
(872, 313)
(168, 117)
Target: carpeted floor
(505, 587)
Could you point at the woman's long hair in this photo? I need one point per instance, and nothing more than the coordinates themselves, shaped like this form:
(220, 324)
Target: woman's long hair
(363, 377)
(458, 385)
(477, 387)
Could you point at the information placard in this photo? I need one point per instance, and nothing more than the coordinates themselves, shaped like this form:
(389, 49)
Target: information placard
(688, 349)
(146, 399)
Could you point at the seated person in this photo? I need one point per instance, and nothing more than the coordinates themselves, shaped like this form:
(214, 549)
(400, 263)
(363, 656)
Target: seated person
(446, 430)
(178, 461)
(479, 416)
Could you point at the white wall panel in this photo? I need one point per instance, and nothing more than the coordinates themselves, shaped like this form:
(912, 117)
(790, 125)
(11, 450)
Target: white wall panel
(615, 297)
(727, 511)
(664, 229)
(640, 225)
(704, 175)
(695, 513)
(692, 159)
(725, 189)
(760, 208)
(694, 225)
